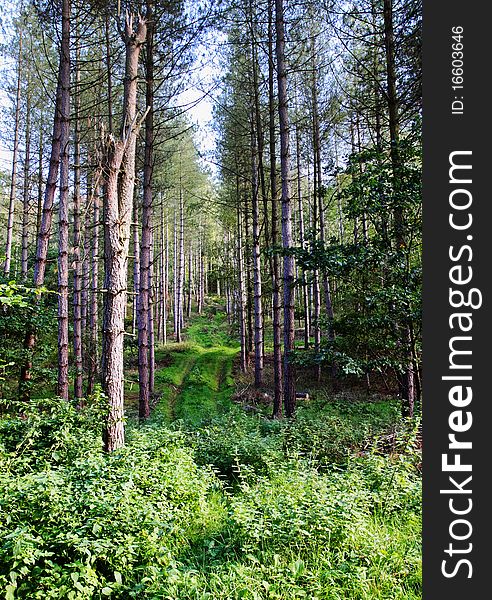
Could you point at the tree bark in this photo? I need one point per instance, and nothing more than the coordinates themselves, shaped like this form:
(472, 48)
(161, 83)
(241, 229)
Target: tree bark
(181, 275)
(120, 165)
(276, 292)
(258, 312)
(165, 307)
(85, 284)
(63, 208)
(201, 285)
(179, 267)
(77, 240)
(40, 175)
(177, 333)
(109, 77)
(249, 284)
(190, 278)
(143, 305)
(49, 195)
(13, 183)
(241, 290)
(408, 380)
(136, 264)
(93, 361)
(161, 301)
(26, 191)
(302, 241)
(151, 319)
(289, 323)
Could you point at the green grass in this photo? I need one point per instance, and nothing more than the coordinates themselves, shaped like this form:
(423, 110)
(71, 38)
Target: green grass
(207, 501)
(207, 390)
(196, 377)
(209, 331)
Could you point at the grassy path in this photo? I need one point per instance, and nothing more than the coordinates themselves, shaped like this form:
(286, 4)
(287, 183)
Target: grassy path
(194, 378)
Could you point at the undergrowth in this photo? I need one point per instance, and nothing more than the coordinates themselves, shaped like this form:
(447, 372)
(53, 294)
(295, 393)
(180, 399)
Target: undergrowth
(229, 515)
(206, 501)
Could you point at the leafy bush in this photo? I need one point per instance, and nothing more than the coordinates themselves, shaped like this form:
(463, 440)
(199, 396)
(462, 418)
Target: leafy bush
(152, 520)
(24, 309)
(47, 431)
(235, 440)
(82, 524)
(342, 428)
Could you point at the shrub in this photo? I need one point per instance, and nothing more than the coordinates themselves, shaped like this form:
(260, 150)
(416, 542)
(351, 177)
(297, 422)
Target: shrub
(83, 524)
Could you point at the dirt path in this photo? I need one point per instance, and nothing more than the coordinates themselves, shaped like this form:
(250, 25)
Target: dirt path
(194, 381)
(176, 391)
(207, 387)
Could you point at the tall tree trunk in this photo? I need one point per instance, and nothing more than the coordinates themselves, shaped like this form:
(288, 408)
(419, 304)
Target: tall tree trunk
(179, 260)
(258, 127)
(161, 302)
(199, 274)
(109, 77)
(249, 284)
(181, 276)
(151, 319)
(63, 208)
(201, 291)
(93, 361)
(241, 287)
(408, 383)
(258, 312)
(26, 191)
(190, 278)
(206, 273)
(120, 164)
(49, 195)
(276, 300)
(85, 285)
(177, 333)
(316, 295)
(145, 265)
(289, 322)
(13, 183)
(302, 241)
(136, 264)
(77, 239)
(166, 282)
(39, 210)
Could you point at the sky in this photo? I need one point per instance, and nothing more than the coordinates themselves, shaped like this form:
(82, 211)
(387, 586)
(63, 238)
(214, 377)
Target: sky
(5, 155)
(196, 99)
(199, 109)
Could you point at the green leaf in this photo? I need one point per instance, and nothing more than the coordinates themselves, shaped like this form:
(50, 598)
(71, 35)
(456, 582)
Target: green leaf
(9, 592)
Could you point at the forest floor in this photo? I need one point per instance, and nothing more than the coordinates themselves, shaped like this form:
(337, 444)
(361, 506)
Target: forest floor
(211, 498)
(193, 379)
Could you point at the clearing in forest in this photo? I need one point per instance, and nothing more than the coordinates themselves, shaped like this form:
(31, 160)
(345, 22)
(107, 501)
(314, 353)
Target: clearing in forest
(194, 379)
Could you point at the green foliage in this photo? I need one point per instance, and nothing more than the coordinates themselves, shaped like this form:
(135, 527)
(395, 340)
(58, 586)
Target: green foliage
(207, 389)
(344, 428)
(379, 279)
(149, 522)
(24, 309)
(234, 441)
(38, 432)
(81, 524)
(209, 331)
(220, 505)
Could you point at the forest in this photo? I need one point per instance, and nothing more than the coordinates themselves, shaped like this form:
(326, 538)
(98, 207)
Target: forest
(210, 299)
